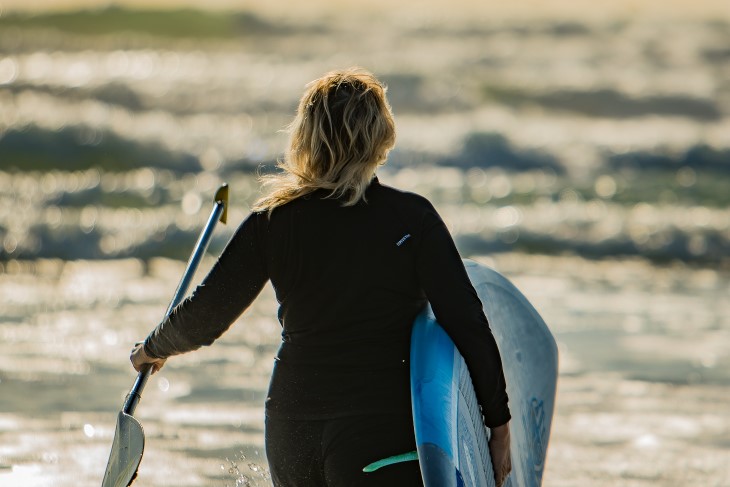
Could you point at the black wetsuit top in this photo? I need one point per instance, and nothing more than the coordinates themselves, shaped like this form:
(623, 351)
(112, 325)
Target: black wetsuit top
(349, 281)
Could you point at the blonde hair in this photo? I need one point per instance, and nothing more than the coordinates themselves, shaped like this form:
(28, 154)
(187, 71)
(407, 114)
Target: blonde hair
(342, 131)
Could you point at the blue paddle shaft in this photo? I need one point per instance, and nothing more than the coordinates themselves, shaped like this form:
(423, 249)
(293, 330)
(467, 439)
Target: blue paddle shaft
(218, 213)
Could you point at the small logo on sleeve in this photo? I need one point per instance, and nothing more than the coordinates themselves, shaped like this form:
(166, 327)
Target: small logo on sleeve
(403, 240)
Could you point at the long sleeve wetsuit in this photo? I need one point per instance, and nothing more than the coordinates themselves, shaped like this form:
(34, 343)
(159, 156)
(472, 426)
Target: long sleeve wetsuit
(349, 281)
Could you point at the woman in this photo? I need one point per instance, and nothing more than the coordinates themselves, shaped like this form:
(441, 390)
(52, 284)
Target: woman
(352, 263)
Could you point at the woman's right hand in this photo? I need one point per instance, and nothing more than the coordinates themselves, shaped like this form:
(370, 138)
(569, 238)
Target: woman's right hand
(499, 450)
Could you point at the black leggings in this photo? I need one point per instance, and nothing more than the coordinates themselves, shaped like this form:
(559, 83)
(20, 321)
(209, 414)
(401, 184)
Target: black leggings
(333, 453)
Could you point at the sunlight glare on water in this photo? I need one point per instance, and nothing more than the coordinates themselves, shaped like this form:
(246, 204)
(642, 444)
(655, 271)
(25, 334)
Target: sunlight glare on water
(580, 151)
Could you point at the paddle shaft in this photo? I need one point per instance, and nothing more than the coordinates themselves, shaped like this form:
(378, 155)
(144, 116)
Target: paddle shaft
(218, 213)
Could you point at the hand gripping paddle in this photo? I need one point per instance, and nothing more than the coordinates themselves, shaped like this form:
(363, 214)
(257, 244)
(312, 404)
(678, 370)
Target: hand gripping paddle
(128, 446)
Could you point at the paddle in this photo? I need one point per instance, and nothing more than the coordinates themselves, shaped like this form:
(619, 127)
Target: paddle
(128, 445)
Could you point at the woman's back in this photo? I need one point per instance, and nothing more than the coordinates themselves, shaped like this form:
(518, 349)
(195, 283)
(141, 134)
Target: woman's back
(347, 283)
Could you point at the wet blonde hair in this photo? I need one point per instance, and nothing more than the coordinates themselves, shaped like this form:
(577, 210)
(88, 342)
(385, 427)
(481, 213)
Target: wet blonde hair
(342, 131)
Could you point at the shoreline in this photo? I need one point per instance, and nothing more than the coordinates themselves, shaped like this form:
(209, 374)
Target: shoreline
(410, 10)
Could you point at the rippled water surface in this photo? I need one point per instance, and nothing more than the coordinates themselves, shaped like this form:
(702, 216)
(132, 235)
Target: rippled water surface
(642, 394)
(587, 159)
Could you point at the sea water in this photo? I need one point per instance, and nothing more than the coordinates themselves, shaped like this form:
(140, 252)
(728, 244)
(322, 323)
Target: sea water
(642, 395)
(587, 161)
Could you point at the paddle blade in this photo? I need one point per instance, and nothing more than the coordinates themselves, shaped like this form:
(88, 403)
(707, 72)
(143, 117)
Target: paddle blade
(126, 452)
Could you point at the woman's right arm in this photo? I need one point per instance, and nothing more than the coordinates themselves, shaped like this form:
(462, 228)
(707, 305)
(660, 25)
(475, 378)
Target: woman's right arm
(459, 311)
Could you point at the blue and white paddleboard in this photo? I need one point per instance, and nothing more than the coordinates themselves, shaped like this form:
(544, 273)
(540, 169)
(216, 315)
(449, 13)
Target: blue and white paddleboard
(451, 438)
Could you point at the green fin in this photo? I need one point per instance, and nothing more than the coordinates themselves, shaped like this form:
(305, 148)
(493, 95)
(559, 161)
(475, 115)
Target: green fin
(403, 457)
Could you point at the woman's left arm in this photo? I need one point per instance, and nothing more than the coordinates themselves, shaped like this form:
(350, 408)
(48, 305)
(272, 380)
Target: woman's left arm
(231, 286)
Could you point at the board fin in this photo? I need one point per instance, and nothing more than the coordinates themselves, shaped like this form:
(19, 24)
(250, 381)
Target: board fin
(403, 457)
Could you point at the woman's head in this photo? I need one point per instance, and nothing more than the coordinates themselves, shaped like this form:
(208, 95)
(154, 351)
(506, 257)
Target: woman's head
(342, 132)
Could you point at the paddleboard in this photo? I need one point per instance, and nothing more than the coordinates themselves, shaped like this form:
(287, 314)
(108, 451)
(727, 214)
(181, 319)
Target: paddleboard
(452, 441)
